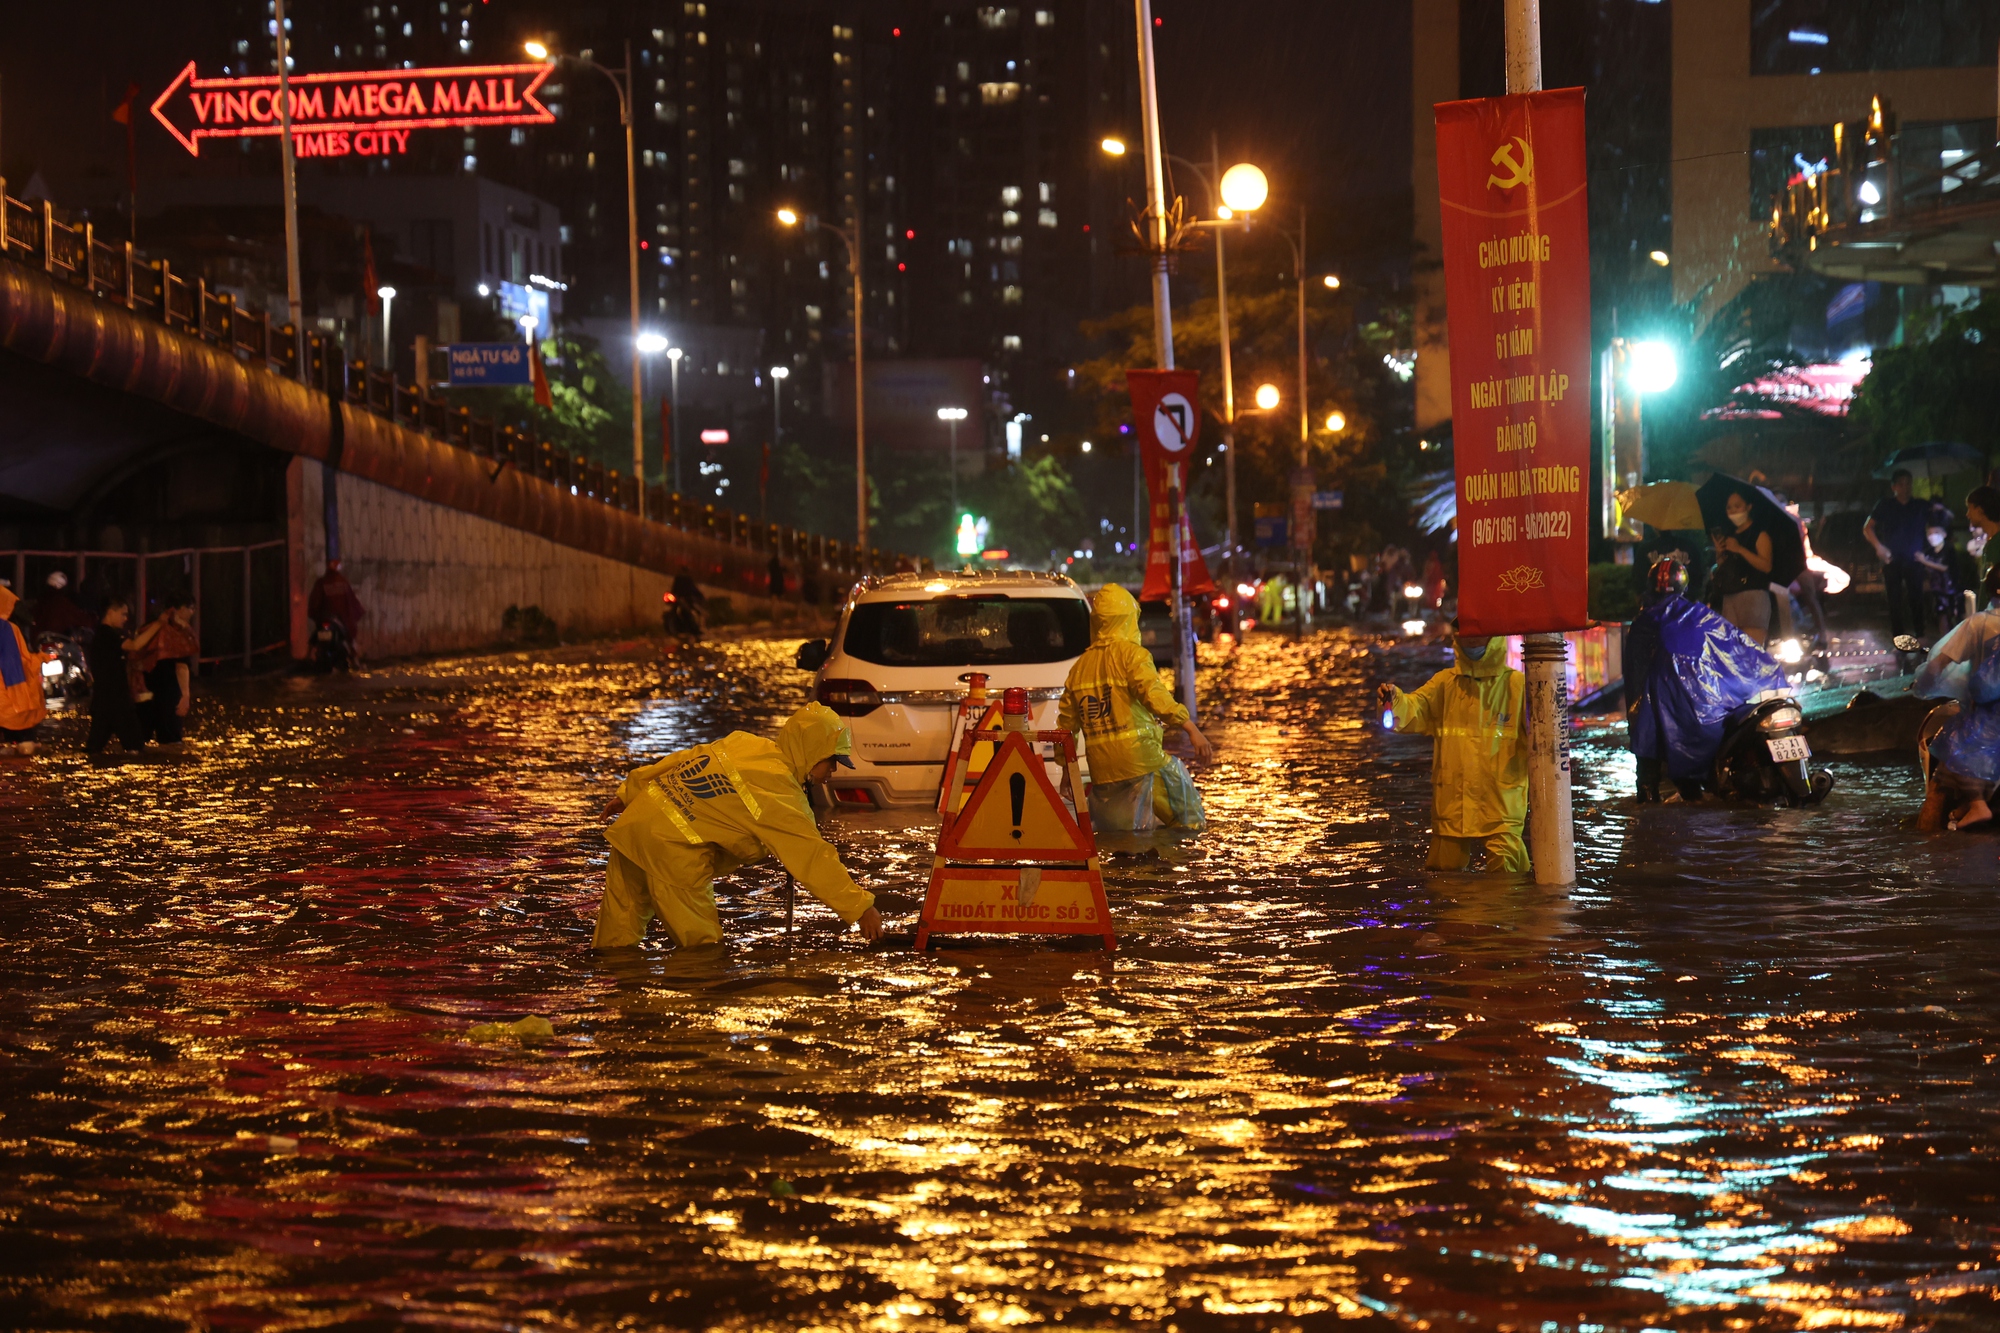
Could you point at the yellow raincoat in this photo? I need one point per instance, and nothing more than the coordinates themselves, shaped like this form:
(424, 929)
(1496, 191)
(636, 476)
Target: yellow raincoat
(1115, 697)
(1477, 710)
(703, 812)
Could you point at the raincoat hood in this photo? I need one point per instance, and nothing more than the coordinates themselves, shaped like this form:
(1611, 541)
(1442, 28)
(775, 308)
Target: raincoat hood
(813, 733)
(1114, 616)
(1489, 663)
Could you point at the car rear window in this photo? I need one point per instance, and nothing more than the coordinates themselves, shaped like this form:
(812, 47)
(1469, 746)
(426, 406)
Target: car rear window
(976, 630)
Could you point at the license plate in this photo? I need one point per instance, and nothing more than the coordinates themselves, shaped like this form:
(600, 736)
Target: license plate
(1788, 749)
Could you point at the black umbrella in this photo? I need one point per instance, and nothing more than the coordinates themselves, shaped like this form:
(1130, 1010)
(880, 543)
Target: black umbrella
(1788, 543)
(1938, 458)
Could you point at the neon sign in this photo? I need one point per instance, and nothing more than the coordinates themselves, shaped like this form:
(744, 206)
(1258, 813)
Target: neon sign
(367, 112)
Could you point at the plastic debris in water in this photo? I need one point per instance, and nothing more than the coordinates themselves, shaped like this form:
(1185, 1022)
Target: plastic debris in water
(532, 1028)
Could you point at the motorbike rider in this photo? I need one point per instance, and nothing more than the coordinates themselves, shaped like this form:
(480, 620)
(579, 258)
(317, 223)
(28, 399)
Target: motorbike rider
(1686, 669)
(56, 612)
(1965, 754)
(333, 599)
(1477, 709)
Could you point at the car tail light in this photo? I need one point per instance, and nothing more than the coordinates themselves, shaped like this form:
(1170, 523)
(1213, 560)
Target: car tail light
(853, 795)
(849, 698)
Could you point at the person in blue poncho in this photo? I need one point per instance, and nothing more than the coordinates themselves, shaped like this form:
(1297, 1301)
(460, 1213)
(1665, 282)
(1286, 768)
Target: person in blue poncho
(1686, 670)
(1965, 754)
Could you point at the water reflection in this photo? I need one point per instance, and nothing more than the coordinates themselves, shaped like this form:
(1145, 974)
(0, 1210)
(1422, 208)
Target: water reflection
(1740, 1078)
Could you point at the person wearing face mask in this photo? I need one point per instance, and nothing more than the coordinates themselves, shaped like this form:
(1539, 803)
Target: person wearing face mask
(1476, 709)
(704, 811)
(1741, 581)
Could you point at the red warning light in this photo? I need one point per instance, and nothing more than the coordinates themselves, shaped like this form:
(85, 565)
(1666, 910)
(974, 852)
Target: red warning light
(901, 267)
(909, 236)
(895, 32)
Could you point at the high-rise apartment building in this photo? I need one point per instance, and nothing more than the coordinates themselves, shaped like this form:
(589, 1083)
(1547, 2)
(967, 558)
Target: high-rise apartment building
(955, 140)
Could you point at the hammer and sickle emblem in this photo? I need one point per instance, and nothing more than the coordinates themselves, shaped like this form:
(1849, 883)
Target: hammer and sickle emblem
(1518, 172)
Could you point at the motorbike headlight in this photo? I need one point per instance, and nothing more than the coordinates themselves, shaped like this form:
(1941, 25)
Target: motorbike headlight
(52, 668)
(1789, 651)
(1781, 719)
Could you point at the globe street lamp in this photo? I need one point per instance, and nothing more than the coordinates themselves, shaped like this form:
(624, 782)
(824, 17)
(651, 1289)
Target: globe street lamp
(849, 237)
(779, 374)
(951, 416)
(388, 295)
(621, 83)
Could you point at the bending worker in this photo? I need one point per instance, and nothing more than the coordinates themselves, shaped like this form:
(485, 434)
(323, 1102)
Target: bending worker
(1477, 710)
(704, 811)
(1114, 696)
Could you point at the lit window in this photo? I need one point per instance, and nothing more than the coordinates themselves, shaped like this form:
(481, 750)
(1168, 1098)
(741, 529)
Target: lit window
(1011, 342)
(1010, 295)
(999, 94)
(1047, 217)
(1010, 219)
(1045, 18)
(1010, 195)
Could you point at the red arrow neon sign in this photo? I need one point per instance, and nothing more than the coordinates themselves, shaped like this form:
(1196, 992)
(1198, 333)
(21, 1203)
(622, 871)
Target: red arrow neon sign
(365, 112)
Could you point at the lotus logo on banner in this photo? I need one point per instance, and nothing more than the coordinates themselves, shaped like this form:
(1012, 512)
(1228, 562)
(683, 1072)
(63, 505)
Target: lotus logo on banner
(1516, 256)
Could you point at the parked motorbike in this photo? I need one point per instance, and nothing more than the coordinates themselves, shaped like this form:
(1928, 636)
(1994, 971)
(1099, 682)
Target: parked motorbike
(332, 650)
(1764, 754)
(66, 671)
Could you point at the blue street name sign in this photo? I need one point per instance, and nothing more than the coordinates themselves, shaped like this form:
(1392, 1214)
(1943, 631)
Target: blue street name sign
(488, 363)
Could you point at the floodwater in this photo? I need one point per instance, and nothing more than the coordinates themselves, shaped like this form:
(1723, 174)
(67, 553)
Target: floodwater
(1742, 1077)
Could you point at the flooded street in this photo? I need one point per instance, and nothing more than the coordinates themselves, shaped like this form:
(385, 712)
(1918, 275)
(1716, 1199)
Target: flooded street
(1742, 1077)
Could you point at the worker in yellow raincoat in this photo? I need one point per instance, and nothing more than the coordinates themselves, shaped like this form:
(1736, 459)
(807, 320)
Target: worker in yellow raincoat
(704, 811)
(1115, 697)
(1477, 710)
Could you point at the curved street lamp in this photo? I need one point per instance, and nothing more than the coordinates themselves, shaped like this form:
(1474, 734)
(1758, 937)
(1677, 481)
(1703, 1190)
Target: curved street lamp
(621, 83)
(789, 218)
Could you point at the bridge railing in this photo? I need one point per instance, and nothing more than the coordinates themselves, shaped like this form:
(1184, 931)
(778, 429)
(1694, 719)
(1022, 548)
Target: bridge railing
(71, 253)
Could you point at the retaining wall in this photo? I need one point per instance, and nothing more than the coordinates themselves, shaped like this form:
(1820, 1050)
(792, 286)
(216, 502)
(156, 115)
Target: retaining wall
(439, 579)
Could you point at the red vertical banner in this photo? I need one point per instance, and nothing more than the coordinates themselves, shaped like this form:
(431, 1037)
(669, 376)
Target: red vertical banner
(1166, 413)
(1511, 180)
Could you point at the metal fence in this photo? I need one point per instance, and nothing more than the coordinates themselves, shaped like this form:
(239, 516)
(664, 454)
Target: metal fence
(71, 253)
(242, 594)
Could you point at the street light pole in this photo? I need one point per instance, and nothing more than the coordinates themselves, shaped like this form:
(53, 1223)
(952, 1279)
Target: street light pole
(621, 83)
(951, 416)
(1228, 382)
(288, 160)
(1163, 340)
(852, 240)
(1551, 820)
(674, 355)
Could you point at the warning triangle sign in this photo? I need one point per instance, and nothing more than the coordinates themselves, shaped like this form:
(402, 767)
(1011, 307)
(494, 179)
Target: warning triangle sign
(1014, 814)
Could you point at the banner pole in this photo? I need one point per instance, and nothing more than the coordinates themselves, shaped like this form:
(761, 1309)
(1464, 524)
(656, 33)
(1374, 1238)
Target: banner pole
(1551, 824)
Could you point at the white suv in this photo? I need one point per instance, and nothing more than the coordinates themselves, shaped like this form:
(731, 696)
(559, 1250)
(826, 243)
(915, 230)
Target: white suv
(897, 663)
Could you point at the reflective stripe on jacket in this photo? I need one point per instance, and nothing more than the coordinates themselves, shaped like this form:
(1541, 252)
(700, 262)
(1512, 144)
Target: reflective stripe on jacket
(741, 796)
(1114, 694)
(1477, 710)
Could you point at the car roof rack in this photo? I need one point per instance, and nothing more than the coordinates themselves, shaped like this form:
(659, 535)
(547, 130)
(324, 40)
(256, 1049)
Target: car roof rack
(976, 577)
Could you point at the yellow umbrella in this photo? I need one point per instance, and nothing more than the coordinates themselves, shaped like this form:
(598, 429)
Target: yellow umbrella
(1668, 505)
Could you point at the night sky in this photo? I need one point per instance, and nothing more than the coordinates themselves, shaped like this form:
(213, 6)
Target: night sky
(1312, 90)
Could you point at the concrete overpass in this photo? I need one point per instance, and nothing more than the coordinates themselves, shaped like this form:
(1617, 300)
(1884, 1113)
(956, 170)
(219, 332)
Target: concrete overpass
(140, 412)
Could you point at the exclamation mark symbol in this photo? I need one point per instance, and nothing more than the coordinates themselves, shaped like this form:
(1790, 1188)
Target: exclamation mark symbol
(1017, 791)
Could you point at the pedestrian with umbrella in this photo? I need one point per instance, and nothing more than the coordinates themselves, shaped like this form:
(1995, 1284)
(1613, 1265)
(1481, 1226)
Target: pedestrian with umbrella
(1758, 547)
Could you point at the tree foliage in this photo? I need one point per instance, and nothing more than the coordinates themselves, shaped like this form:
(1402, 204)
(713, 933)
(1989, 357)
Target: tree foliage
(1945, 386)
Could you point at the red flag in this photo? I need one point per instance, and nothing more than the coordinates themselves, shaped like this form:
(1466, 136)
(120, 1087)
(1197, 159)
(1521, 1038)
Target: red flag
(1511, 178)
(543, 398)
(1167, 415)
(370, 285)
(122, 113)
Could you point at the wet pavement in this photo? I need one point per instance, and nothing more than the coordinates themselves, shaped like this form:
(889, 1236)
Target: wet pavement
(1742, 1077)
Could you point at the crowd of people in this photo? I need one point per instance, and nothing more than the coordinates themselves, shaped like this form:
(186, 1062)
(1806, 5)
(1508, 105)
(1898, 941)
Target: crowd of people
(141, 679)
